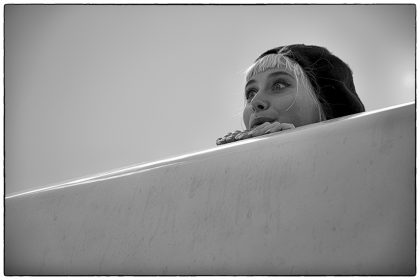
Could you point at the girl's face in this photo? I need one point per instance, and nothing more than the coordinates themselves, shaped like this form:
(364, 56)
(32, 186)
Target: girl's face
(276, 95)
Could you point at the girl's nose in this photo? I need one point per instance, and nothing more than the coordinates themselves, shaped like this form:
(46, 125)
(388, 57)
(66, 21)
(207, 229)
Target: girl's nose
(258, 104)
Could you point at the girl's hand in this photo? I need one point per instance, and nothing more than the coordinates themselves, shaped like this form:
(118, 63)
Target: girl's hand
(233, 136)
(262, 129)
(267, 128)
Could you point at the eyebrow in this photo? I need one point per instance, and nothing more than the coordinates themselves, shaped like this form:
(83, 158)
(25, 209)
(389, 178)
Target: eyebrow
(280, 73)
(249, 82)
(277, 73)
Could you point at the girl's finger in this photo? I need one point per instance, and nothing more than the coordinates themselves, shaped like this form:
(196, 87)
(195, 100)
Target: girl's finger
(272, 126)
(232, 137)
(279, 127)
(259, 130)
(220, 141)
(285, 126)
(239, 136)
(244, 135)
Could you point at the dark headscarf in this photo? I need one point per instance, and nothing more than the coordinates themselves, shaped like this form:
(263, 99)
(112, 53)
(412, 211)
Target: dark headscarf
(330, 77)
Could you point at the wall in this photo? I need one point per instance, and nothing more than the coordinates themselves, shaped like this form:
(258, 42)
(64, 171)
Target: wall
(336, 197)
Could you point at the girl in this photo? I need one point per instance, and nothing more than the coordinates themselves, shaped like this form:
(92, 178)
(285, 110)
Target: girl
(295, 85)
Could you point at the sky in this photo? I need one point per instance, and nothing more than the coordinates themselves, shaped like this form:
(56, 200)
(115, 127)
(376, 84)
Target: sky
(91, 88)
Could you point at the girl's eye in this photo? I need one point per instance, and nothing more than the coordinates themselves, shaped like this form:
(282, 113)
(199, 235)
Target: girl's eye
(250, 93)
(280, 85)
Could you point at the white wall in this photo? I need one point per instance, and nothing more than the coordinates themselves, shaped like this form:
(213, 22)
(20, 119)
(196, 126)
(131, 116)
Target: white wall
(331, 198)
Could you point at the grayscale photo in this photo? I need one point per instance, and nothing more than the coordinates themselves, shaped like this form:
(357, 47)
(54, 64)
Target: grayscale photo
(209, 139)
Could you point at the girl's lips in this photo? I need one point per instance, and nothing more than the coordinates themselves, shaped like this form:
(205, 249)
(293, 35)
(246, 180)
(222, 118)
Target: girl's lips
(257, 121)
